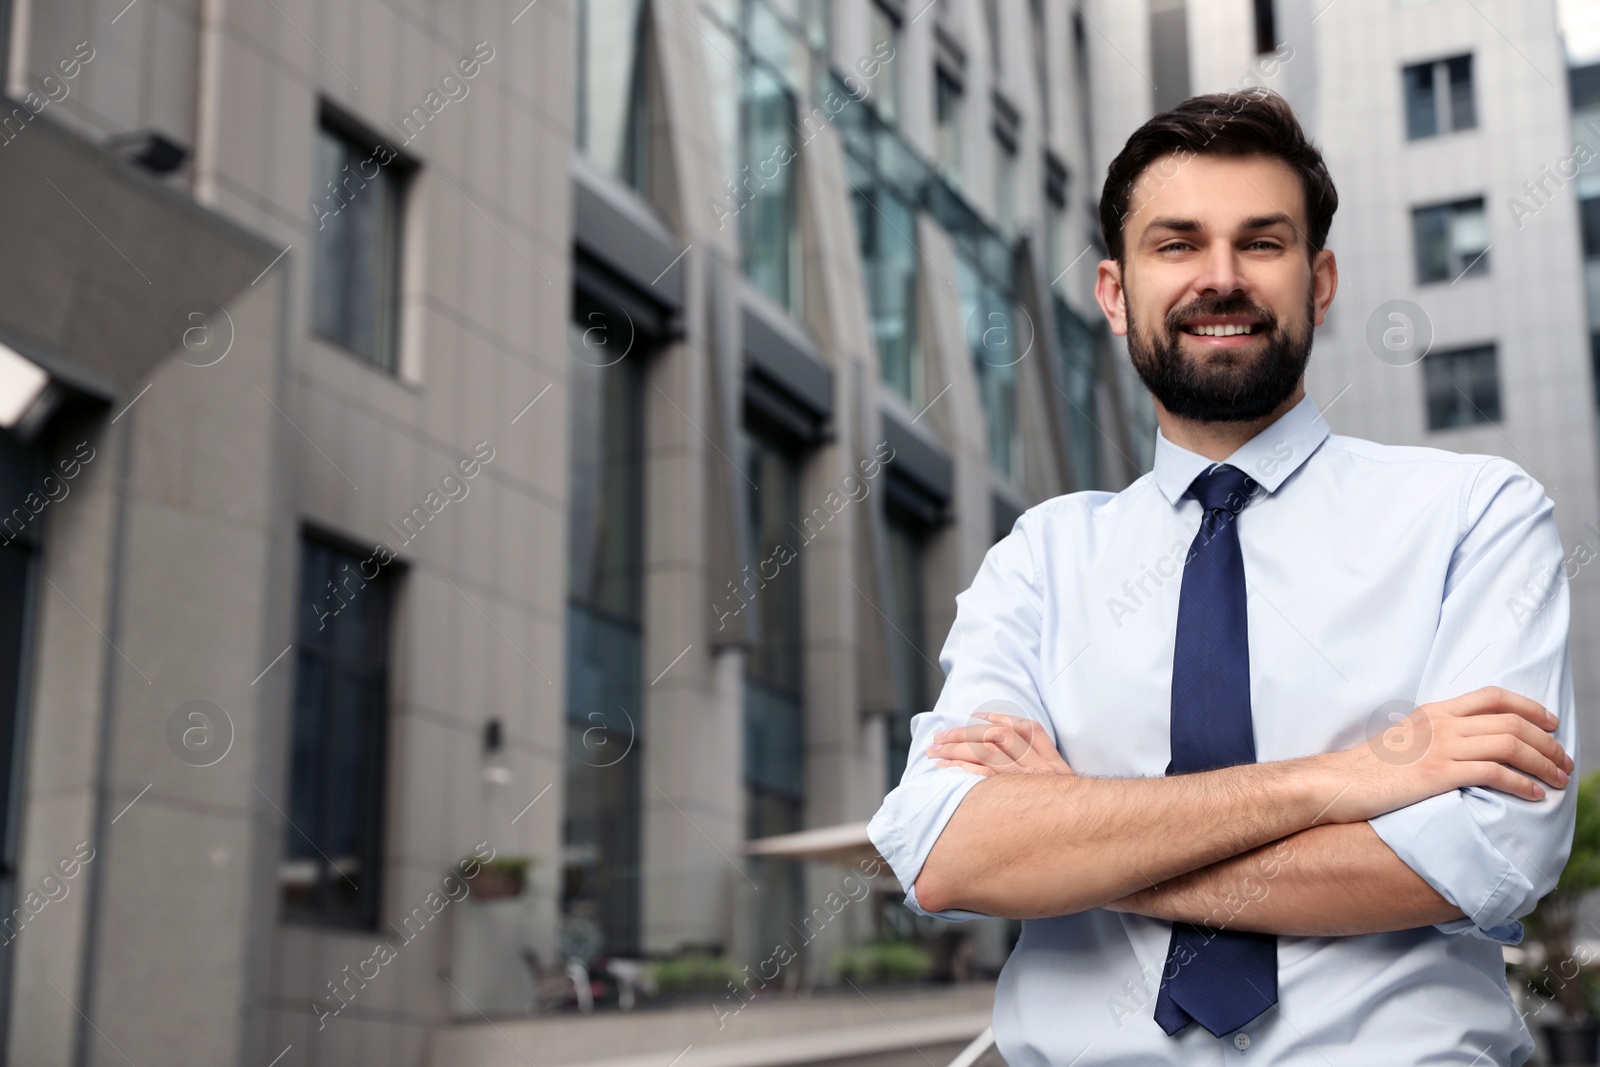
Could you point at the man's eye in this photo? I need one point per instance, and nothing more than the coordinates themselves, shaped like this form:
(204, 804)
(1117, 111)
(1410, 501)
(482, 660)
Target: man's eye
(1269, 245)
(1174, 246)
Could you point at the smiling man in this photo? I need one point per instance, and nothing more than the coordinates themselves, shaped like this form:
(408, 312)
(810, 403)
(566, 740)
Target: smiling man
(1254, 747)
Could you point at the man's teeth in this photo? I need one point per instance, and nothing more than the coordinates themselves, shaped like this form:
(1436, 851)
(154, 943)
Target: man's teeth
(1220, 331)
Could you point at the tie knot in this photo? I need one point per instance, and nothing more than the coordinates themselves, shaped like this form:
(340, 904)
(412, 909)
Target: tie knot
(1222, 487)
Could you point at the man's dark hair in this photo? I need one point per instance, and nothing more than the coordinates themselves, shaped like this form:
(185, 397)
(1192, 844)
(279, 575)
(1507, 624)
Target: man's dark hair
(1256, 122)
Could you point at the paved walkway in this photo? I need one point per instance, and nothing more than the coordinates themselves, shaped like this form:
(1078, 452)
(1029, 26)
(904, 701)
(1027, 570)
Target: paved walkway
(928, 1025)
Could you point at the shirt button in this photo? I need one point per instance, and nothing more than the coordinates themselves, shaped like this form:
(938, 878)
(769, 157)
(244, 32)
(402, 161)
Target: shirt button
(1241, 1041)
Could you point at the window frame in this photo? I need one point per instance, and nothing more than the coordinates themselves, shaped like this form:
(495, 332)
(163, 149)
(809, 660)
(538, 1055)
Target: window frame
(1436, 374)
(400, 170)
(1443, 104)
(376, 736)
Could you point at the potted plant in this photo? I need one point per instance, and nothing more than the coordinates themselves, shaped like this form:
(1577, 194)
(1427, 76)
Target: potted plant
(501, 878)
(1575, 1039)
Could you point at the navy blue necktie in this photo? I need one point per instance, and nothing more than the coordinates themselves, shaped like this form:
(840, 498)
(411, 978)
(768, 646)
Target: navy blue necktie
(1220, 979)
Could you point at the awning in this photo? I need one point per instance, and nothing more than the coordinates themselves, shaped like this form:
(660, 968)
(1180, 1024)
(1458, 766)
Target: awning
(845, 845)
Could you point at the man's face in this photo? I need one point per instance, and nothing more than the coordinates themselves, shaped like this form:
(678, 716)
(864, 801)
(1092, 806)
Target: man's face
(1217, 293)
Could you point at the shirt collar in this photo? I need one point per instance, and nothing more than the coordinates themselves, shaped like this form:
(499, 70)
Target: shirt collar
(1269, 457)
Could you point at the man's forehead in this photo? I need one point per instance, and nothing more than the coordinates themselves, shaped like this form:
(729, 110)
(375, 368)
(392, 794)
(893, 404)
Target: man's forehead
(1219, 192)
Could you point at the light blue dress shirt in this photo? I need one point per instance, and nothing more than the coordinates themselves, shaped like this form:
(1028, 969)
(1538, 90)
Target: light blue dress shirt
(1376, 575)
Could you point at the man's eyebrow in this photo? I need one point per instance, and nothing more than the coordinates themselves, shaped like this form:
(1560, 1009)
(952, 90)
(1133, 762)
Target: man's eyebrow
(1179, 225)
(1255, 222)
(1262, 222)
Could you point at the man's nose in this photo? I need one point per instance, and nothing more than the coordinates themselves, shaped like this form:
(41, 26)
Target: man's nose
(1219, 275)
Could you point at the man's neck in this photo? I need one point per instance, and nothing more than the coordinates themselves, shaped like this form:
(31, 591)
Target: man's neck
(1218, 440)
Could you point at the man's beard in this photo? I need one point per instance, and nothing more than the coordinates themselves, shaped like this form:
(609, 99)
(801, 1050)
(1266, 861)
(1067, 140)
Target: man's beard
(1232, 386)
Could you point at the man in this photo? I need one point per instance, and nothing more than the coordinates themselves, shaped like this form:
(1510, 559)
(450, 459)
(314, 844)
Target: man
(1258, 747)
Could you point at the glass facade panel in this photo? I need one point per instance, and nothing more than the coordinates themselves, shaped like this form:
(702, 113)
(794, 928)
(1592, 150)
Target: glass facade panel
(1076, 365)
(600, 883)
(612, 123)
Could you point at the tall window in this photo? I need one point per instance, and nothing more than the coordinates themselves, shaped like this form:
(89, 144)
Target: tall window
(996, 349)
(1169, 52)
(1589, 220)
(1055, 216)
(947, 119)
(1452, 240)
(886, 227)
(1463, 387)
(602, 830)
(356, 205)
(1005, 182)
(1075, 362)
(774, 722)
(612, 126)
(1439, 97)
(907, 663)
(1266, 26)
(333, 843)
(768, 229)
(885, 27)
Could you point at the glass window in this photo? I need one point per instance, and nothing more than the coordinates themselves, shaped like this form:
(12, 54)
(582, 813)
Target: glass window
(1005, 184)
(1589, 219)
(1463, 387)
(907, 657)
(601, 835)
(947, 120)
(885, 27)
(356, 203)
(767, 222)
(987, 313)
(774, 721)
(1452, 240)
(1266, 26)
(611, 123)
(333, 843)
(1439, 97)
(886, 226)
(1077, 373)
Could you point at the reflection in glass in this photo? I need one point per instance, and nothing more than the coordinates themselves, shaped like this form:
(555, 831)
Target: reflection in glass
(907, 662)
(774, 721)
(602, 829)
(612, 128)
(1075, 364)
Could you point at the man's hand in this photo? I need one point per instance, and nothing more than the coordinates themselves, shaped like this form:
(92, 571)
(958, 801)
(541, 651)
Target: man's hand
(1489, 737)
(1008, 745)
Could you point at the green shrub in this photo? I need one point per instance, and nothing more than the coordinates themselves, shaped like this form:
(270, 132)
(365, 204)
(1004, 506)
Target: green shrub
(693, 972)
(883, 961)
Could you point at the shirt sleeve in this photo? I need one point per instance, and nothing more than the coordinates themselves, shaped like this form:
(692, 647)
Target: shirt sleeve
(1503, 622)
(991, 663)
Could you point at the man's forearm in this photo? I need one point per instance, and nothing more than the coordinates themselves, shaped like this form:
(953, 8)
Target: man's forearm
(1327, 881)
(1029, 846)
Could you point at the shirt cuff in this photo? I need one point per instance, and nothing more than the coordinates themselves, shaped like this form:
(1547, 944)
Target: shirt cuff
(1441, 840)
(911, 819)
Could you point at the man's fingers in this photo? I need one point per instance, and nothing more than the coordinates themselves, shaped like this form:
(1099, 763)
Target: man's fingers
(1515, 753)
(1492, 699)
(973, 768)
(984, 753)
(1519, 727)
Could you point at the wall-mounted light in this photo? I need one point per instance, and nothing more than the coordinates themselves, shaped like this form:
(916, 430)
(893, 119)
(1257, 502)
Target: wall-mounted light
(495, 771)
(27, 396)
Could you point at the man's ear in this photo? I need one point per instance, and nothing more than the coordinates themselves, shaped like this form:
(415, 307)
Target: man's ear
(1324, 283)
(1110, 295)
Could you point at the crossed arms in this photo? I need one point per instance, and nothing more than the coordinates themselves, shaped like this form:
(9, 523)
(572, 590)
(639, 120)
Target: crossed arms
(1281, 847)
(1459, 834)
